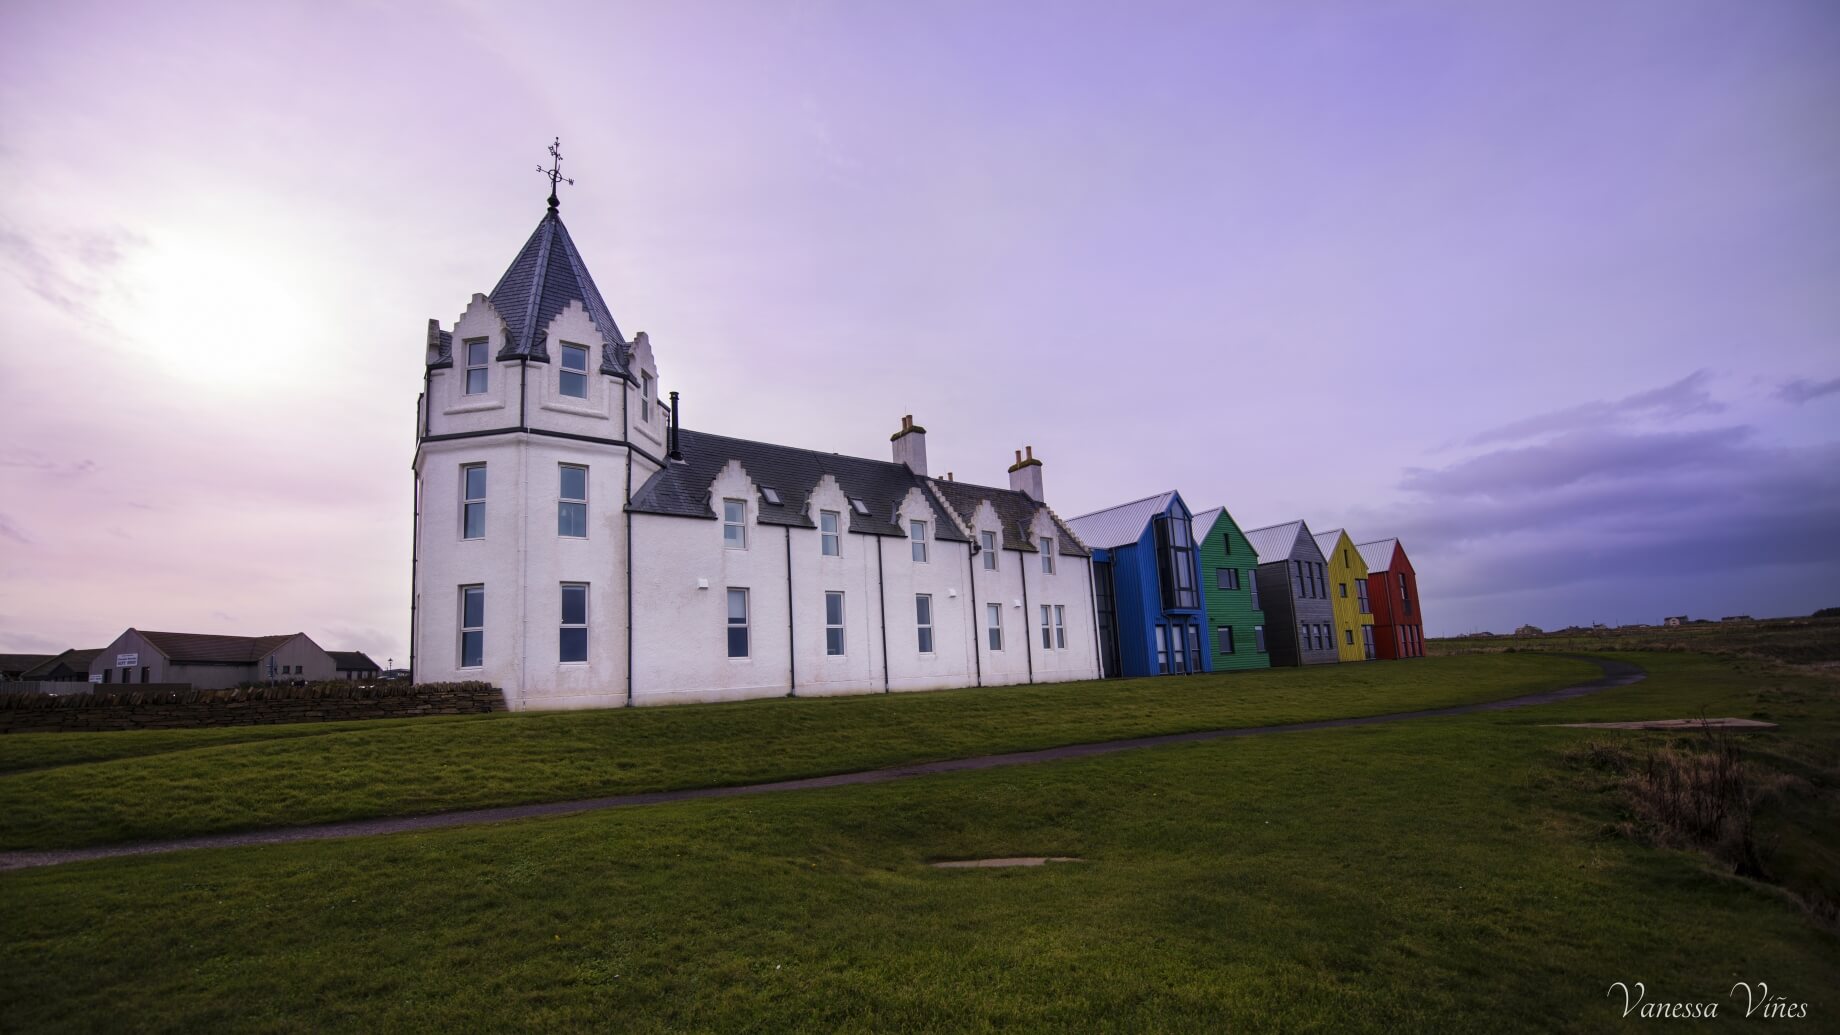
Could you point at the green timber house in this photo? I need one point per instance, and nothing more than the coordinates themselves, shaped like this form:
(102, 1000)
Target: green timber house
(1229, 573)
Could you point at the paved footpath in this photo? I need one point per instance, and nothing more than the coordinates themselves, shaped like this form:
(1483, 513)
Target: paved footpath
(1616, 673)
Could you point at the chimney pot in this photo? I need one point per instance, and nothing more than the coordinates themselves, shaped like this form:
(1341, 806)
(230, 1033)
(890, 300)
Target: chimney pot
(910, 445)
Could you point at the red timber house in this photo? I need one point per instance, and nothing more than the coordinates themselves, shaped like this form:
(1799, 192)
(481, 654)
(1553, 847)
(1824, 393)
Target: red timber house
(1399, 622)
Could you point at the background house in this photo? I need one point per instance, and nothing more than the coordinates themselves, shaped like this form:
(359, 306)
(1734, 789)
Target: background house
(208, 661)
(1354, 616)
(13, 667)
(72, 666)
(1148, 548)
(1294, 591)
(1230, 585)
(1392, 588)
(353, 664)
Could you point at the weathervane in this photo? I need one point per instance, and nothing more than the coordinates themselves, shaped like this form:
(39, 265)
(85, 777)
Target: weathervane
(554, 172)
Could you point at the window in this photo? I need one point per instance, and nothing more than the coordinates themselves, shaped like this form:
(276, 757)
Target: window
(574, 371)
(993, 619)
(737, 623)
(1047, 555)
(1297, 577)
(833, 624)
(473, 505)
(1224, 634)
(1404, 597)
(1258, 638)
(923, 620)
(574, 623)
(770, 494)
(1060, 627)
(1226, 543)
(830, 535)
(1360, 592)
(1344, 587)
(645, 396)
(1253, 585)
(1194, 648)
(1162, 648)
(1176, 561)
(987, 545)
(572, 505)
(1047, 627)
(1303, 629)
(859, 506)
(1179, 663)
(1367, 641)
(127, 675)
(476, 367)
(1348, 637)
(916, 530)
(734, 524)
(105, 675)
(146, 673)
(1226, 578)
(472, 626)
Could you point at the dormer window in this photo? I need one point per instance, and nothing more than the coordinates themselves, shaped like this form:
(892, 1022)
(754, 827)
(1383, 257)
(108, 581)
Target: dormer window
(917, 532)
(476, 359)
(734, 524)
(987, 541)
(645, 396)
(574, 371)
(1047, 555)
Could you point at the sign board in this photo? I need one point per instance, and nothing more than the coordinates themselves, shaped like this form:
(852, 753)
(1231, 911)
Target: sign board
(127, 660)
(95, 677)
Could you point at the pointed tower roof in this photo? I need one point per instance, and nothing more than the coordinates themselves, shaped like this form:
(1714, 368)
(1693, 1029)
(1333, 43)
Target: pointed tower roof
(545, 277)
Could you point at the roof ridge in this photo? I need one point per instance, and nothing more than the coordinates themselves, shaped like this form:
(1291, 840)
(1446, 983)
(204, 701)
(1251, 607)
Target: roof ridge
(1275, 524)
(1120, 506)
(800, 449)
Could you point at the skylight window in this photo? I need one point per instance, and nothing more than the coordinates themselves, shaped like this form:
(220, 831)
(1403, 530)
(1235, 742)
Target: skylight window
(771, 495)
(859, 506)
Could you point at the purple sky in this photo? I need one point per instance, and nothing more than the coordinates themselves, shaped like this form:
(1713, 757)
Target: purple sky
(1554, 288)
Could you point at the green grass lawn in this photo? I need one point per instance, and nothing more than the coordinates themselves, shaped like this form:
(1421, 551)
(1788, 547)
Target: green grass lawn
(67, 791)
(1442, 875)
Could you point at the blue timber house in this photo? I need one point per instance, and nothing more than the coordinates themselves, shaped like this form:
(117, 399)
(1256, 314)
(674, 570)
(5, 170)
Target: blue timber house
(1147, 587)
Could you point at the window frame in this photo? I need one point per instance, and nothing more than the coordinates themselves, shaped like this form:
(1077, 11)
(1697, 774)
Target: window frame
(468, 501)
(923, 622)
(645, 396)
(987, 543)
(1060, 627)
(564, 372)
(483, 367)
(744, 626)
(564, 502)
(1223, 640)
(475, 590)
(836, 627)
(1162, 649)
(1226, 579)
(1047, 627)
(1047, 555)
(738, 525)
(830, 540)
(993, 627)
(916, 535)
(564, 626)
(1258, 639)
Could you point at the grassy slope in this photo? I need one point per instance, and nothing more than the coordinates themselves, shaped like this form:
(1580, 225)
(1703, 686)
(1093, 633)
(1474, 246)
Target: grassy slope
(1794, 640)
(1441, 875)
(396, 768)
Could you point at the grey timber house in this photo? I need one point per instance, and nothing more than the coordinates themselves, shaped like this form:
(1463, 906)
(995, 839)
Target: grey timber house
(1293, 580)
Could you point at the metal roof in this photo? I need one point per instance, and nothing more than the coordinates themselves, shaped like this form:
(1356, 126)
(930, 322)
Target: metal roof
(1325, 541)
(1378, 554)
(1275, 542)
(1120, 525)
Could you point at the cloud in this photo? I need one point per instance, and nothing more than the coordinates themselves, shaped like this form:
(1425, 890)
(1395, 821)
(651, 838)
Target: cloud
(1683, 398)
(8, 530)
(69, 270)
(1802, 390)
(1580, 457)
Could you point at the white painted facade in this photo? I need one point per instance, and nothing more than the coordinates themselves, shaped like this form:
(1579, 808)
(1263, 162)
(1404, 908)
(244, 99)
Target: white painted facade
(677, 570)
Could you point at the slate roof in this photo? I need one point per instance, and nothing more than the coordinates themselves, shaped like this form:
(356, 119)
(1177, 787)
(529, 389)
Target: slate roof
(15, 665)
(1378, 554)
(1274, 542)
(72, 660)
(353, 661)
(545, 277)
(682, 489)
(210, 648)
(1015, 509)
(1121, 525)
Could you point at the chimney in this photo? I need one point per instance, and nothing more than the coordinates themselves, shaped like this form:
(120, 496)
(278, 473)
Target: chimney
(1025, 474)
(910, 446)
(671, 433)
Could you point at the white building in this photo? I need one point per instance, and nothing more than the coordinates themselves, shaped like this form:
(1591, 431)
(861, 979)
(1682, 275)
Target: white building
(576, 549)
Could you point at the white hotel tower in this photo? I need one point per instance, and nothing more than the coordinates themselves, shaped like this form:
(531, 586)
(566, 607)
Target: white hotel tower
(577, 550)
